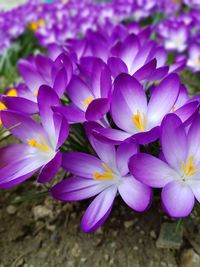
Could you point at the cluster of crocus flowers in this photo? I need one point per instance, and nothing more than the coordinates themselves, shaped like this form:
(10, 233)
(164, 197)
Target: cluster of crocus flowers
(116, 83)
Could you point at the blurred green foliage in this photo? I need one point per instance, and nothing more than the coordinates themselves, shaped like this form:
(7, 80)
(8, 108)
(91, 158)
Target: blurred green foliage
(22, 47)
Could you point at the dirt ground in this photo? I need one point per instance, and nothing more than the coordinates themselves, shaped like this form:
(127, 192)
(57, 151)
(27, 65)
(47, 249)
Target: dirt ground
(38, 231)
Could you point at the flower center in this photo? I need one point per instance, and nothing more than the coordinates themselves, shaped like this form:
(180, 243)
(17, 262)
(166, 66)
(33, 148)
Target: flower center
(107, 174)
(87, 101)
(139, 121)
(12, 92)
(34, 25)
(189, 168)
(36, 92)
(2, 107)
(42, 145)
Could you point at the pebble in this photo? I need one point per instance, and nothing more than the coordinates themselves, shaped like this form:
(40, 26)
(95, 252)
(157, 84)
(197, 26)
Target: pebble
(135, 248)
(128, 224)
(11, 210)
(189, 258)
(153, 234)
(170, 237)
(76, 251)
(41, 212)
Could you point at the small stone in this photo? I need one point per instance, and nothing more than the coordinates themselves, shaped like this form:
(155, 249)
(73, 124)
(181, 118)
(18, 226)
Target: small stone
(142, 232)
(83, 260)
(51, 228)
(99, 231)
(170, 236)
(153, 234)
(76, 251)
(189, 258)
(137, 227)
(11, 210)
(106, 257)
(128, 224)
(41, 212)
(135, 248)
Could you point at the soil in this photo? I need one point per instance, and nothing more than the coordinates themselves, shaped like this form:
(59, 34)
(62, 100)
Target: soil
(38, 231)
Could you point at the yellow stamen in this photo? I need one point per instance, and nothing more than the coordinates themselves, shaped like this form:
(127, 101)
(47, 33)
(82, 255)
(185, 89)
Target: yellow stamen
(65, 1)
(189, 168)
(36, 92)
(12, 92)
(87, 101)
(41, 23)
(33, 26)
(34, 143)
(173, 108)
(139, 121)
(2, 107)
(107, 175)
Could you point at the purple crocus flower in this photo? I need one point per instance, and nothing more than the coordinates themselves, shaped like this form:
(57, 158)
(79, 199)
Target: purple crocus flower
(103, 176)
(177, 38)
(143, 61)
(40, 148)
(136, 117)
(90, 95)
(37, 71)
(193, 61)
(178, 174)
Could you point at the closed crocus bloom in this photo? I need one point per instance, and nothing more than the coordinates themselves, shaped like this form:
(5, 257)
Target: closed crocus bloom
(103, 176)
(41, 142)
(179, 171)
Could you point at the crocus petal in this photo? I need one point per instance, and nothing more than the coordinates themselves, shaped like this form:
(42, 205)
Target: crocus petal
(129, 95)
(158, 73)
(30, 75)
(19, 162)
(136, 195)
(151, 170)
(195, 187)
(142, 56)
(81, 164)
(173, 141)
(50, 169)
(117, 66)
(183, 97)
(20, 104)
(194, 140)
(77, 188)
(79, 92)
(61, 129)
(46, 99)
(126, 50)
(44, 65)
(146, 70)
(71, 113)
(106, 152)
(99, 210)
(21, 126)
(187, 111)
(109, 135)
(178, 199)
(97, 109)
(147, 137)
(61, 82)
(126, 150)
(166, 93)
